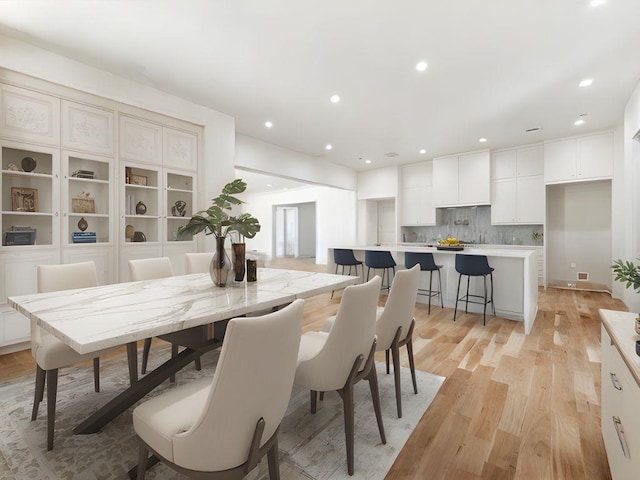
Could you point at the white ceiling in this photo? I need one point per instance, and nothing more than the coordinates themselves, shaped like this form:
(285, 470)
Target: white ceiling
(496, 67)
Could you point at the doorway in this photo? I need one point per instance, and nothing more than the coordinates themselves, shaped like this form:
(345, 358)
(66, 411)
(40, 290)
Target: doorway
(295, 230)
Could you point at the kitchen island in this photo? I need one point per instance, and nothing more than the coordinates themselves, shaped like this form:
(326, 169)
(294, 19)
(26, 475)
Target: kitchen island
(515, 278)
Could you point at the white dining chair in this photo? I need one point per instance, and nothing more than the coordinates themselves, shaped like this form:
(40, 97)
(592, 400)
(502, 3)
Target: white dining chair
(50, 353)
(197, 262)
(338, 359)
(221, 427)
(395, 324)
(150, 269)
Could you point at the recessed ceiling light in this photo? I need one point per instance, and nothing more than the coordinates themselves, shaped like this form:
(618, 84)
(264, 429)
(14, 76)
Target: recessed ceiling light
(335, 98)
(421, 66)
(367, 161)
(580, 120)
(268, 124)
(328, 146)
(586, 82)
(268, 184)
(482, 140)
(422, 151)
(597, 3)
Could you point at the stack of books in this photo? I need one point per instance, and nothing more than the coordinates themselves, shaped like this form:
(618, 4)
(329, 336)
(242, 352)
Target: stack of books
(84, 237)
(82, 174)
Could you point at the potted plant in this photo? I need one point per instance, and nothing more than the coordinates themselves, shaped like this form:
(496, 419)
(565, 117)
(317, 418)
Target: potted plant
(217, 221)
(628, 273)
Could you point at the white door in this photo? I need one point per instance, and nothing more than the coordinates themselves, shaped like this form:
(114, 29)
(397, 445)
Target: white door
(286, 231)
(386, 222)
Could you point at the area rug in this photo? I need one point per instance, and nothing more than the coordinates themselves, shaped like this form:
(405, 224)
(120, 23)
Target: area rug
(311, 446)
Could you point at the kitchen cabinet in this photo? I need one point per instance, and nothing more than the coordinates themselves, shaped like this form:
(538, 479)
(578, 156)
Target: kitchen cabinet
(517, 162)
(417, 207)
(462, 180)
(620, 394)
(579, 158)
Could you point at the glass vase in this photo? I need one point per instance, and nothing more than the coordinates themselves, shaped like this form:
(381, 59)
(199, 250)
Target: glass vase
(220, 264)
(238, 260)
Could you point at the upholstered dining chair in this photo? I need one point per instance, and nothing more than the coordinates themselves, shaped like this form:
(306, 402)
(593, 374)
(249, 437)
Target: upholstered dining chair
(150, 269)
(394, 325)
(197, 262)
(338, 359)
(50, 353)
(220, 428)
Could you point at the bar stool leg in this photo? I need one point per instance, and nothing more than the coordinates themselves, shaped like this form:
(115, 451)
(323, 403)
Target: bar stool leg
(440, 288)
(430, 283)
(455, 310)
(466, 305)
(484, 311)
(493, 305)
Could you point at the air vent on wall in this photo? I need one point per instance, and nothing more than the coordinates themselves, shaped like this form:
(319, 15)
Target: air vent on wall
(583, 276)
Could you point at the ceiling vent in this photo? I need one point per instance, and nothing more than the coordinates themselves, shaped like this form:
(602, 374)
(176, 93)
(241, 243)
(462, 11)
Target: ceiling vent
(533, 129)
(391, 155)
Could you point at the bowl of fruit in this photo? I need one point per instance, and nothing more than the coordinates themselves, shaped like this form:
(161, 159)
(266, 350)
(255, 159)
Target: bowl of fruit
(450, 243)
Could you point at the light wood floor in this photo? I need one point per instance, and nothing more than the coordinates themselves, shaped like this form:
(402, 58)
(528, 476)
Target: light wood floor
(513, 405)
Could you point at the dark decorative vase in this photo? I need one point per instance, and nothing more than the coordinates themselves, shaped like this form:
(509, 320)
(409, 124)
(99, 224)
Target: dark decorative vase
(220, 264)
(238, 260)
(252, 270)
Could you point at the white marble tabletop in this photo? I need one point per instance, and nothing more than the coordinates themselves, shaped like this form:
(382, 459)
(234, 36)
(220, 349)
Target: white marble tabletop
(92, 319)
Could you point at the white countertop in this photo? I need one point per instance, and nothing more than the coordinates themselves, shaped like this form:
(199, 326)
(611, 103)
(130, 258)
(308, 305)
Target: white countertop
(621, 328)
(493, 251)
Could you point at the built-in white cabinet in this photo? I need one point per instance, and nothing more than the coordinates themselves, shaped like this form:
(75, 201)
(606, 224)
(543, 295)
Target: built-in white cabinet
(70, 193)
(620, 395)
(579, 158)
(517, 188)
(417, 207)
(461, 180)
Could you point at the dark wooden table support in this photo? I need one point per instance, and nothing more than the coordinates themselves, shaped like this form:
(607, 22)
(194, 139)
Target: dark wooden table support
(131, 395)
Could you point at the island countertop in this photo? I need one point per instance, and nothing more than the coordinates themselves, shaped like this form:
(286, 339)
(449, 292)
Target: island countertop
(515, 276)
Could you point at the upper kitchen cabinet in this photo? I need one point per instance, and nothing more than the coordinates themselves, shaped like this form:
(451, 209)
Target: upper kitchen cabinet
(517, 162)
(461, 180)
(579, 158)
(87, 129)
(140, 140)
(417, 206)
(29, 116)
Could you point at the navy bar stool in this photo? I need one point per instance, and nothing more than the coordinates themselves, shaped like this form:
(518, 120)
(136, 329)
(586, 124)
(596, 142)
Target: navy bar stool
(380, 260)
(344, 257)
(427, 264)
(474, 266)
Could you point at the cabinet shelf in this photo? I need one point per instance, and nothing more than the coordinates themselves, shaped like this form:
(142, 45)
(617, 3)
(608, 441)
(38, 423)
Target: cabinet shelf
(16, 173)
(173, 217)
(149, 217)
(140, 187)
(88, 215)
(88, 180)
(179, 190)
(27, 214)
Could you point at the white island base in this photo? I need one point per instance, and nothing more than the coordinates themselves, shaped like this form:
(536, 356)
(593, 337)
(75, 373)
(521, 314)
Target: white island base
(515, 279)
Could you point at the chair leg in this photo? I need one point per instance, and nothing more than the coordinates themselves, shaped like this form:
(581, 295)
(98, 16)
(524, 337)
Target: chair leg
(336, 272)
(395, 351)
(493, 305)
(368, 270)
(145, 355)
(143, 454)
(39, 391)
(349, 427)
(314, 401)
(455, 310)
(321, 396)
(386, 358)
(440, 288)
(412, 366)
(96, 374)
(198, 363)
(484, 309)
(375, 395)
(274, 461)
(52, 390)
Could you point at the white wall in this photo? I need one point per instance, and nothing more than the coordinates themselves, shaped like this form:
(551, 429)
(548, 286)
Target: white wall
(306, 229)
(264, 157)
(579, 231)
(628, 200)
(335, 217)
(219, 129)
(378, 183)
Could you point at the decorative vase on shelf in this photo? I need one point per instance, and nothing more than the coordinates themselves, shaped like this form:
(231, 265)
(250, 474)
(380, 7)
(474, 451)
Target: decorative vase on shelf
(220, 264)
(238, 260)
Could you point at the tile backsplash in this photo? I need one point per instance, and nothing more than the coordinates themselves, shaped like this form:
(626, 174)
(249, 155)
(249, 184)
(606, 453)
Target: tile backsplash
(473, 225)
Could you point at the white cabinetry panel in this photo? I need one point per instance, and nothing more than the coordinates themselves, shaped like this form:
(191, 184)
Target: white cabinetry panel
(180, 149)
(530, 199)
(140, 140)
(474, 179)
(445, 181)
(579, 158)
(87, 128)
(29, 116)
(503, 202)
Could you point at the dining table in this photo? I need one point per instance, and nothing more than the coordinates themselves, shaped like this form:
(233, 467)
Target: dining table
(184, 306)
